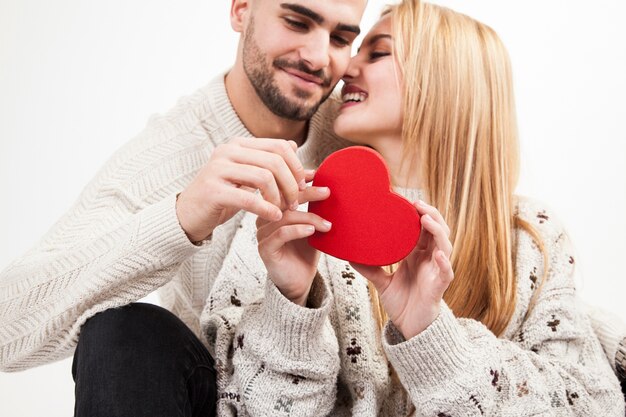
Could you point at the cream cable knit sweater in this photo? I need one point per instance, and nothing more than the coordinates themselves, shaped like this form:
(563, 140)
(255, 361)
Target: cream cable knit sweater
(122, 240)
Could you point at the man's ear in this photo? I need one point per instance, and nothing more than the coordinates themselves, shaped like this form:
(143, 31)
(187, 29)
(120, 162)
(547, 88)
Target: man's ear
(238, 11)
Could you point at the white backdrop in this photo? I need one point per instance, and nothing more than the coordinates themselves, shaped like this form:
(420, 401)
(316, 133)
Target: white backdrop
(69, 67)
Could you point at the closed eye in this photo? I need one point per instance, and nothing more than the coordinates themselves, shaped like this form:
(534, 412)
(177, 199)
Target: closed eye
(376, 55)
(296, 24)
(340, 40)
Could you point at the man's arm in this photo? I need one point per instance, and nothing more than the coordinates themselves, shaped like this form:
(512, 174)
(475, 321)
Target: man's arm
(123, 237)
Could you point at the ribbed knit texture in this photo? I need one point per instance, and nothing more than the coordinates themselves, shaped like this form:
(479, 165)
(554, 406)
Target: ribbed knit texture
(611, 331)
(121, 241)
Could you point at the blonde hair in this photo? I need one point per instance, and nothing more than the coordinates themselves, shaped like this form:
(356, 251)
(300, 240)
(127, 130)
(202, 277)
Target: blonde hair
(460, 131)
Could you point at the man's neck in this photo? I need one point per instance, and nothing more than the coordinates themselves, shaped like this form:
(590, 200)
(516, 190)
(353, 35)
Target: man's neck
(255, 116)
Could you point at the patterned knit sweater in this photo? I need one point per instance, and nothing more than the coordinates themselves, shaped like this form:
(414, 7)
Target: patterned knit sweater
(121, 241)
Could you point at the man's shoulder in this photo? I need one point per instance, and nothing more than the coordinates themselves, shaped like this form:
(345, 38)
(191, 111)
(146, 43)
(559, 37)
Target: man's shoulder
(172, 137)
(191, 112)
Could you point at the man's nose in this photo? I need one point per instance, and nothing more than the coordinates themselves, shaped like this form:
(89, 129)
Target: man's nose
(316, 51)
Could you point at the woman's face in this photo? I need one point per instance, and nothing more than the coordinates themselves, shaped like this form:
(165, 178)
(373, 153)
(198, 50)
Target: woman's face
(371, 113)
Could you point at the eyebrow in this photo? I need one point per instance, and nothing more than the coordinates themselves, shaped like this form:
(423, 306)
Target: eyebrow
(375, 38)
(317, 18)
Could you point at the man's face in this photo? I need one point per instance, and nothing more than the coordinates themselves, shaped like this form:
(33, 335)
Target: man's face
(295, 51)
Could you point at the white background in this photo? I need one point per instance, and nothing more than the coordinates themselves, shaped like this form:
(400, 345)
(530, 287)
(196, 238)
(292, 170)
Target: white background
(78, 79)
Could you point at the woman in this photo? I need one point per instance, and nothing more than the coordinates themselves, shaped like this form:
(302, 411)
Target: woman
(481, 318)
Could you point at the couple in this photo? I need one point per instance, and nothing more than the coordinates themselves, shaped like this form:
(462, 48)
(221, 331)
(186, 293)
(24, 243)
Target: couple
(480, 319)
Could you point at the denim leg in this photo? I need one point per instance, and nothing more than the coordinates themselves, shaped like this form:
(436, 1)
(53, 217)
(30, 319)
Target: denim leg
(142, 360)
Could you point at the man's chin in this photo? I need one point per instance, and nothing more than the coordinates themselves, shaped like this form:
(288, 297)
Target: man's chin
(308, 106)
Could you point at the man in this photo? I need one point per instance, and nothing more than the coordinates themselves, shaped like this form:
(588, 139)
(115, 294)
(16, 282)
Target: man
(164, 213)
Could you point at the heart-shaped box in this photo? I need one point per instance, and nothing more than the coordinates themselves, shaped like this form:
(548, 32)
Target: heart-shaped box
(372, 225)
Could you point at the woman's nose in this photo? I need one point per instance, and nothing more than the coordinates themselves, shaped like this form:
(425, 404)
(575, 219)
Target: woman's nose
(353, 69)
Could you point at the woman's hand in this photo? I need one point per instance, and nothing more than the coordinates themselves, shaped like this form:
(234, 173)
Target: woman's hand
(412, 294)
(291, 263)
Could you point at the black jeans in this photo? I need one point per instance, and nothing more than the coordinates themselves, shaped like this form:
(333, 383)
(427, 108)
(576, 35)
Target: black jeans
(142, 360)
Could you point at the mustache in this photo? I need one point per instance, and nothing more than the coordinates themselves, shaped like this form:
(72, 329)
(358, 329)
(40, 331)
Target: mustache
(301, 66)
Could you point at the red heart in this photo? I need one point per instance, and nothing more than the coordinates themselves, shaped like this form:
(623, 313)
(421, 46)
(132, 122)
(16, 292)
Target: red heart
(372, 225)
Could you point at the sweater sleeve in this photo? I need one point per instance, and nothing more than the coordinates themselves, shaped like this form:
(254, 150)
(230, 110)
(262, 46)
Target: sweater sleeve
(611, 330)
(119, 242)
(553, 366)
(286, 357)
(280, 358)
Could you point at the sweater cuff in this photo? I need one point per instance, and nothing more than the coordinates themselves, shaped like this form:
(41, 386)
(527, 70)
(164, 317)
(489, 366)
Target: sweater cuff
(436, 354)
(611, 332)
(162, 235)
(620, 360)
(294, 331)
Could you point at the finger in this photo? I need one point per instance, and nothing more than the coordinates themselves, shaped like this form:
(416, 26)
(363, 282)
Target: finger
(276, 240)
(439, 235)
(286, 149)
(423, 208)
(375, 274)
(253, 177)
(272, 162)
(446, 274)
(309, 174)
(292, 218)
(249, 201)
(313, 194)
(260, 222)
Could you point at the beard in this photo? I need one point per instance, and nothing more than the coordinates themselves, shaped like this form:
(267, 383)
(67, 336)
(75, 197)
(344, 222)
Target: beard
(261, 76)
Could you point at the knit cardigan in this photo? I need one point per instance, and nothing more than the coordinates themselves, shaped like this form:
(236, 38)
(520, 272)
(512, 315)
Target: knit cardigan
(121, 240)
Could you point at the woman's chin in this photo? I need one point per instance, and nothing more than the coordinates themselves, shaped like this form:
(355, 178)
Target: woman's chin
(349, 132)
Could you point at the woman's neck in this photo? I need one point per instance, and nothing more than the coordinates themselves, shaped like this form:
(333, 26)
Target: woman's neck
(402, 173)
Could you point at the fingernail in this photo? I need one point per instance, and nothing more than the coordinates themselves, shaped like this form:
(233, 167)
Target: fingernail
(294, 205)
(310, 229)
(421, 202)
(427, 217)
(327, 224)
(302, 184)
(323, 190)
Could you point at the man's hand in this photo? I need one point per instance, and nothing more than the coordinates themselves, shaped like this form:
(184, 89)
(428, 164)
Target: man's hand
(228, 182)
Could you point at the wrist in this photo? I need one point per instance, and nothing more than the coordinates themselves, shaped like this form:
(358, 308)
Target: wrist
(420, 324)
(182, 213)
(295, 296)
(300, 300)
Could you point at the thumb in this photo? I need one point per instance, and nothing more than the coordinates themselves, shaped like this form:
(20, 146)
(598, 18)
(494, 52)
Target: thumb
(375, 274)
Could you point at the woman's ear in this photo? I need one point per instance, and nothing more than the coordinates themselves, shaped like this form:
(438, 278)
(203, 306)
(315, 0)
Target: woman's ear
(238, 10)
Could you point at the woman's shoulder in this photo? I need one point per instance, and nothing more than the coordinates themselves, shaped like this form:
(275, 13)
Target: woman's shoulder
(552, 238)
(539, 215)
(547, 232)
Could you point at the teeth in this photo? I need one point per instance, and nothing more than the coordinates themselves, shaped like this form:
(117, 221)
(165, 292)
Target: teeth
(358, 97)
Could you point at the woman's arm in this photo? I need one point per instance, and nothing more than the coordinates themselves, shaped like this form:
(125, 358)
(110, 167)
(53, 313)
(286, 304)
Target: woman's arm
(274, 354)
(286, 356)
(553, 366)
(611, 330)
